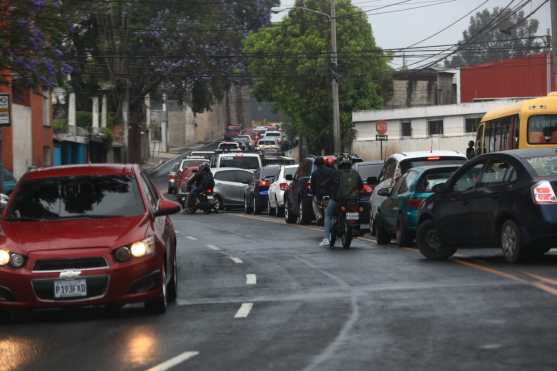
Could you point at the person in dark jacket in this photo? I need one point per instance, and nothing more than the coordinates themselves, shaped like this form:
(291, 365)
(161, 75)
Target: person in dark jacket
(470, 151)
(200, 182)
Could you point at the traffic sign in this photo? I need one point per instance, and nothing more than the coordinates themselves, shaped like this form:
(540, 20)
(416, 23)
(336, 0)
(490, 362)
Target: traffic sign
(382, 138)
(5, 110)
(381, 127)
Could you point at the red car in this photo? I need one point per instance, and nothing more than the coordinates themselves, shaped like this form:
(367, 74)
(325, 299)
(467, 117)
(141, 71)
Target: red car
(87, 235)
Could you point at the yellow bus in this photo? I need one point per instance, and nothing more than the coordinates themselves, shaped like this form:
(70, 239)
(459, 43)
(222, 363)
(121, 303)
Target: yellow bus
(530, 123)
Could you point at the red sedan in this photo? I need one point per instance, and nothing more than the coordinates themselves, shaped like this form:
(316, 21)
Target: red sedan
(87, 235)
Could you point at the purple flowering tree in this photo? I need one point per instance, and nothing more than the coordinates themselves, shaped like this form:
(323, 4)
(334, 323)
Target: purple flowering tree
(31, 35)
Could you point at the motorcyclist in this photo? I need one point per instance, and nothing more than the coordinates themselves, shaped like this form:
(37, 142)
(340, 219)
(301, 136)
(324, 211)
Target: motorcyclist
(347, 186)
(321, 182)
(201, 182)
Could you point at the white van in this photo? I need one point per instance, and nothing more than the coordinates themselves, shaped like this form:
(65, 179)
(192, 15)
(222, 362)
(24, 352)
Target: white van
(248, 161)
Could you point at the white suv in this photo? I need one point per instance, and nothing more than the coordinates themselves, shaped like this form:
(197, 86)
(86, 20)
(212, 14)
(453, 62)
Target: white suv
(248, 161)
(399, 163)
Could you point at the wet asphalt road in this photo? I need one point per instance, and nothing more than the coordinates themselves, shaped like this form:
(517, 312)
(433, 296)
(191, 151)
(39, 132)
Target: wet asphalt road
(255, 294)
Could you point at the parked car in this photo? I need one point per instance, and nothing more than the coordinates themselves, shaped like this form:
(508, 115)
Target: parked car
(504, 199)
(298, 206)
(175, 178)
(257, 194)
(248, 161)
(86, 236)
(230, 186)
(397, 215)
(278, 188)
(399, 163)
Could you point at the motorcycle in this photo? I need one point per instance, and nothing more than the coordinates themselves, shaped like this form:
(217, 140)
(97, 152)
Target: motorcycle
(345, 223)
(205, 202)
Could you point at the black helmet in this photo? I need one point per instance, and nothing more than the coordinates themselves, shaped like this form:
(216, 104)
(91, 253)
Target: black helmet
(204, 167)
(344, 161)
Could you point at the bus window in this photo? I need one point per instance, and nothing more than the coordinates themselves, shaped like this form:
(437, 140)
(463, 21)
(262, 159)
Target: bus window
(542, 129)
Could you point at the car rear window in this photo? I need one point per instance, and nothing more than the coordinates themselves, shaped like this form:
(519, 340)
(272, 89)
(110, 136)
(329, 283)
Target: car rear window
(190, 163)
(544, 166)
(242, 162)
(433, 177)
(77, 197)
(267, 142)
(406, 165)
(370, 170)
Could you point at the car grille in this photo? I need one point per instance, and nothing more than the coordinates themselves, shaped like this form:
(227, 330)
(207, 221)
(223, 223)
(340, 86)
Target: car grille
(96, 287)
(64, 264)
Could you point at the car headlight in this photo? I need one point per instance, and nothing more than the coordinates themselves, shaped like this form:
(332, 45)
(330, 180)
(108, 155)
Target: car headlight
(143, 248)
(122, 254)
(4, 258)
(14, 260)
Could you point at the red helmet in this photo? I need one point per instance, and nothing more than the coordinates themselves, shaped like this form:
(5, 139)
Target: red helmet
(330, 161)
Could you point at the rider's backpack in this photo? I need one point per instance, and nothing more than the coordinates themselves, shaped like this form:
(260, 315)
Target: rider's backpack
(348, 185)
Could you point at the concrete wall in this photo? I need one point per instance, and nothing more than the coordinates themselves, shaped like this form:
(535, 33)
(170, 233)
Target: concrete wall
(22, 142)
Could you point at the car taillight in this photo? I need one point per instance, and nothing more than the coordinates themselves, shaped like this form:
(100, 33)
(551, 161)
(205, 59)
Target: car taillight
(366, 189)
(283, 186)
(263, 183)
(542, 193)
(307, 186)
(210, 190)
(434, 158)
(414, 203)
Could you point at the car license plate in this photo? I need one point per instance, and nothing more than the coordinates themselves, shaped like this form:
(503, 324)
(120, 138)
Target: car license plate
(263, 193)
(70, 289)
(210, 197)
(352, 216)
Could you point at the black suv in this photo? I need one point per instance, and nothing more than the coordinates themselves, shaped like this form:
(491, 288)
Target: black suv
(298, 197)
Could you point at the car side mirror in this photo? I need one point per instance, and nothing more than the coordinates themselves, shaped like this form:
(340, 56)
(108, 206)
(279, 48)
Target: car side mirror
(385, 192)
(289, 177)
(372, 181)
(167, 207)
(440, 188)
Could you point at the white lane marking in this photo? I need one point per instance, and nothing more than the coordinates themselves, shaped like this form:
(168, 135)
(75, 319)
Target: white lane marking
(236, 260)
(213, 247)
(174, 361)
(191, 238)
(251, 279)
(244, 310)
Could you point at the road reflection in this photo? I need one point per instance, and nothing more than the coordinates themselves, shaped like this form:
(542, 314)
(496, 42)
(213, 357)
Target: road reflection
(15, 353)
(142, 345)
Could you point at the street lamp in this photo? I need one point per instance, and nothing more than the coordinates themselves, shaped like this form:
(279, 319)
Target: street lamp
(334, 61)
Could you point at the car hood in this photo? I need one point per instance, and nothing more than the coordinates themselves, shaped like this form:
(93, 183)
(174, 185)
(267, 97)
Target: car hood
(29, 237)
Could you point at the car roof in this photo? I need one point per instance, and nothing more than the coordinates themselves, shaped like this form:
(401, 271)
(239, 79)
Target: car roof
(219, 169)
(239, 154)
(418, 154)
(528, 153)
(374, 162)
(82, 170)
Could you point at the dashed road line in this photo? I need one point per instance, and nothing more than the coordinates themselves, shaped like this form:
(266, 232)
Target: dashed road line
(172, 362)
(191, 238)
(213, 247)
(236, 260)
(251, 279)
(244, 311)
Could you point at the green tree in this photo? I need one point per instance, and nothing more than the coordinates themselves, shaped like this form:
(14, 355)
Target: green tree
(290, 64)
(496, 34)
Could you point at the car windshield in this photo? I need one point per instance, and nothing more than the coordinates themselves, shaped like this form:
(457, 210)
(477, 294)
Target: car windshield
(228, 145)
(242, 162)
(406, 165)
(433, 177)
(77, 197)
(267, 142)
(544, 166)
(542, 129)
(371, 170)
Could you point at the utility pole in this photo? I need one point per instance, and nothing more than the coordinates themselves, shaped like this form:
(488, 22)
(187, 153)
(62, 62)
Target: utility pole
(554, 40)
(334, 82)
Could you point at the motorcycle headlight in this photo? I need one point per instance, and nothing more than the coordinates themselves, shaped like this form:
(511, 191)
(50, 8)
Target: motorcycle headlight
(143, 248)
(4, 258)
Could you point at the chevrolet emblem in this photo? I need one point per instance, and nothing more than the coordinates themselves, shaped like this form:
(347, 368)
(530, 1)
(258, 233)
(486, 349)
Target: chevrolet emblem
(69, 274)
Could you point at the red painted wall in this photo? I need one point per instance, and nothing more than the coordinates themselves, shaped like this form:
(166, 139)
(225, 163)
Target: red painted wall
(42, 135)
(519, 77)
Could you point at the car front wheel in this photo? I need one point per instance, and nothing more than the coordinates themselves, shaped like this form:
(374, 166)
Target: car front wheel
(160, 304)
(430, 244)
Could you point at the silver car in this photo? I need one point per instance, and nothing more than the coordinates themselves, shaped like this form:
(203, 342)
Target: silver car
(230, 185)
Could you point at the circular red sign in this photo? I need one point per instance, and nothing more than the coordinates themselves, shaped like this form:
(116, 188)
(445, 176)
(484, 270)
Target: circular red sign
(381, 127)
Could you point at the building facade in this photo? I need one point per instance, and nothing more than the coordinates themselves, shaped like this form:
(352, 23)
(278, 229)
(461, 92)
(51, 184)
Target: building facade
(442, 127)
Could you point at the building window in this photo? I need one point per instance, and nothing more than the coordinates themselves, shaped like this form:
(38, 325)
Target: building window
(471, 124)
(406, 129)
(435, 127)
(46, 108)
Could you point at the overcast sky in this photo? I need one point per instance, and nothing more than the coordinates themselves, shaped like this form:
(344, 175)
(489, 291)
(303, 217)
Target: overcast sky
(397, 30)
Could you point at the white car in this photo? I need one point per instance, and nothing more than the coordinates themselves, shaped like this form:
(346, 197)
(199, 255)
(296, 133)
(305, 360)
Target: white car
(248, 161)
(278, 187)
(268, 145)
(273, 135)
(399, 163)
